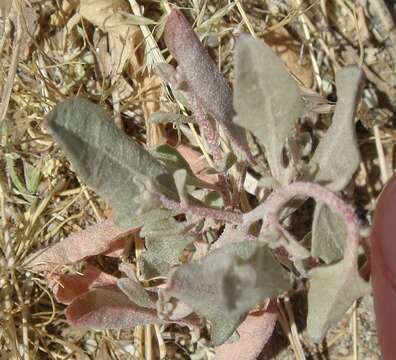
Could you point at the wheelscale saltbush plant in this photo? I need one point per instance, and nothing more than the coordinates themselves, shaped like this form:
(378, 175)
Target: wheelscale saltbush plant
(217, 264)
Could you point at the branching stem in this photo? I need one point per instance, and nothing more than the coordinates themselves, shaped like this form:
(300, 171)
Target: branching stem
(269, 210)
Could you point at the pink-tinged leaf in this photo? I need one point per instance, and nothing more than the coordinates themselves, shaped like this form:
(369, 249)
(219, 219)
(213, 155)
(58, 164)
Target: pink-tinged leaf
(199, 165)
(117, 248)
(94, 240)
(108, 308)
(204, 84)
(254, 333)
(68, 287)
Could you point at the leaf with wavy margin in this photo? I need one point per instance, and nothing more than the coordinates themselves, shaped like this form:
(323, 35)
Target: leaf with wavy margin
(227, 283)
(266, 99)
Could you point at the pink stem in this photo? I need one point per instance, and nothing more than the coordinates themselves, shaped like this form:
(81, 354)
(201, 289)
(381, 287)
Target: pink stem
(270, 209)
(217, 214)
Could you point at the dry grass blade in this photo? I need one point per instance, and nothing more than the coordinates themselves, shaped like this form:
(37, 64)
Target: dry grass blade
(7, 88)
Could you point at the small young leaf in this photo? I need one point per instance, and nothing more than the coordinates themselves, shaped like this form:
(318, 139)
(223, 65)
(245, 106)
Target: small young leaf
(105, 158)
(333, 289)
(165, 241)
(227, 283)
(170, 307)
(337, 154)
(180, 177)
(266, 98)
(328, 235)
(229, 160)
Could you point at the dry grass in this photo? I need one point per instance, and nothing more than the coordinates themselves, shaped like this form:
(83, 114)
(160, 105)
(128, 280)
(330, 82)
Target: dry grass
(49, 53)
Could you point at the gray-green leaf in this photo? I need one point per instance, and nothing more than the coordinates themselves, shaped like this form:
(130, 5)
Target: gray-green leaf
(337, 154)
(165, 241)
(267, 100)
(105, 158)
(227, 283)
(328, 234)
(333, 289)
(136, 293)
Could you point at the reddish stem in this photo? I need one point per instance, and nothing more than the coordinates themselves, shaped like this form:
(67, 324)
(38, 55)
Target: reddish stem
(270, 209)
(205, 212)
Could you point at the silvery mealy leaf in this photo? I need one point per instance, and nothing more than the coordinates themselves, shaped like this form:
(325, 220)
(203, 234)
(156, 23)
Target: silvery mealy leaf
(329, 234)
(165, 240)
(227, 283)
(105, 158)
(332, 291)
(266, 99)
(337, 154)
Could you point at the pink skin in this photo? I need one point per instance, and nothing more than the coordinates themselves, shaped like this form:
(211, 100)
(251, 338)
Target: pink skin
(383, 268)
